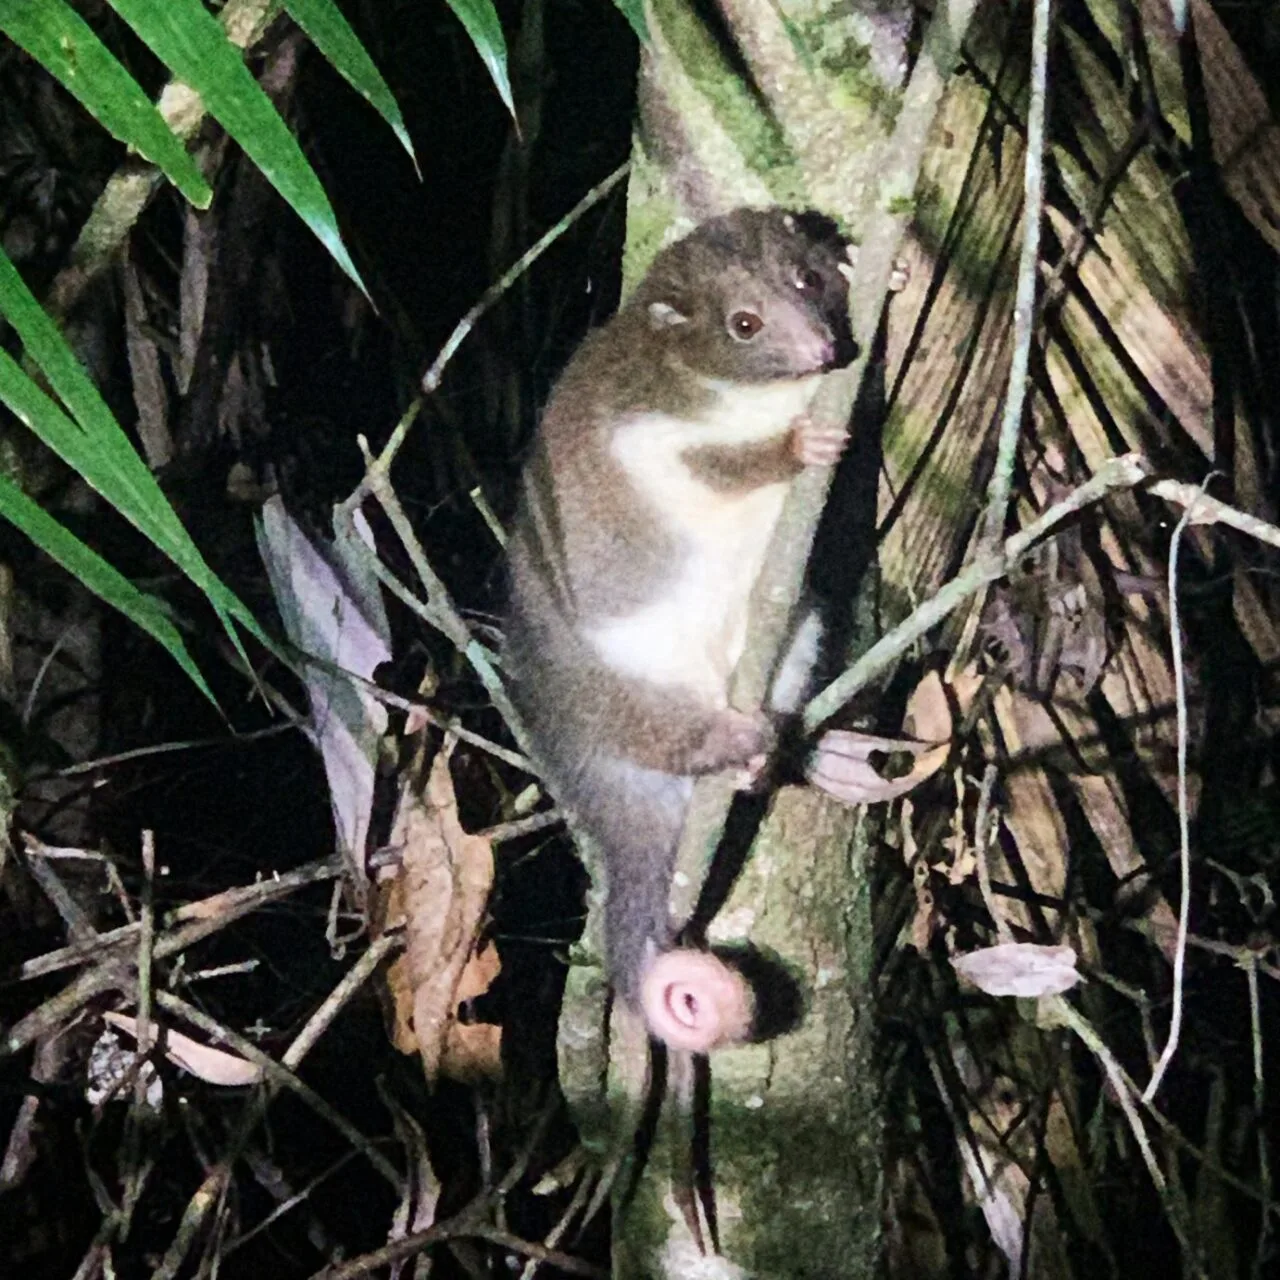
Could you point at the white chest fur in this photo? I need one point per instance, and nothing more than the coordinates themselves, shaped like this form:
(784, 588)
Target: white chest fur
(692, 631)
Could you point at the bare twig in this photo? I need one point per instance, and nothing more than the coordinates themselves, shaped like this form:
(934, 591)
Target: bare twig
(432, 378)
(460, 1227)
(146, 953)
(581, 1195)
(1210, 511)
(109, 975)
(1061, 1011)
(218, 910)
(1123, 472)
(211, 1195)
(440, 609)
(488, 515)
(1241, 953)
(132, 1165)
(981, 844)
(162, 748)
(1184, 819)
(279, 1076)
(518, 827)
(1024, 307)
(287, 1205)
(112, 970)
(452, 725)
(352, 981)
(1259, 1111)
(1056, 1009)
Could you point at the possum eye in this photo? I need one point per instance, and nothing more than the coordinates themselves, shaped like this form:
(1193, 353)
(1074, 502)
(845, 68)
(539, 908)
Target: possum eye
(744, 325)
(807, 280)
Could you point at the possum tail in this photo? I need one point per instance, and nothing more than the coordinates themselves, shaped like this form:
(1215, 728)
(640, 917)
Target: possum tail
(635, 816)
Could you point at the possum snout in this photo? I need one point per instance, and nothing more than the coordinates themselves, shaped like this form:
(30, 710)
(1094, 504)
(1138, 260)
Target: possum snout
(833, 351)
(812, 343)
(813, 347)
(824, 352)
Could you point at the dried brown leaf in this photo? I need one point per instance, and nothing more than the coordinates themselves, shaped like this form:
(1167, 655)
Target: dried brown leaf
(474, 1051)
(198, 247)
(149, 394)
(217, 1066)
(842, 765)
(445, 878)
(1020, 969)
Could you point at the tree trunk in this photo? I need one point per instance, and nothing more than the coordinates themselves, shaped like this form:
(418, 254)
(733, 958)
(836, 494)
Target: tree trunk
(793, 1125)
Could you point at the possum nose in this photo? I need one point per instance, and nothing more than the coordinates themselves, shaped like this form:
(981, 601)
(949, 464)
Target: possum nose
(819, 350)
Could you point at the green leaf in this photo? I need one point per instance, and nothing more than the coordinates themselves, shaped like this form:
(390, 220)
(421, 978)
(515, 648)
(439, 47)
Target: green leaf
(96, 574)
(481, 21)
(58, 38)
(189, 41)
(95, 445)
(98, 448)
(330, 32)
(633, 11)
(99, 466)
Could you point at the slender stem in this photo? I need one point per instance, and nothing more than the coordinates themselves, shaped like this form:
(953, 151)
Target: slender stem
(1184, 820)
(1024, 307)
(1122, 472)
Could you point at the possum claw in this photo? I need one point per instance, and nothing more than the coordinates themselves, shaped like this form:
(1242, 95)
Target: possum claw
(817, 444)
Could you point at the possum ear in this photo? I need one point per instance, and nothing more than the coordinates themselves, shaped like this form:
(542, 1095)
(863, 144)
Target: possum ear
(666, 315)
(693, 1000)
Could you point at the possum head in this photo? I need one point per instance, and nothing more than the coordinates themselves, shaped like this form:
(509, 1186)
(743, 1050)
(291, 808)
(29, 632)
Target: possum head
(752, 297)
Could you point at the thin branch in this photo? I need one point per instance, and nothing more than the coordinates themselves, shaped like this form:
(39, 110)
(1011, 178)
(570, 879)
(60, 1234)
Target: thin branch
(518, 827)
(220, 909)
(113, 972)
(210, 1196)
(1024, 307)
(355, 977)
(1121, 1085)
(982, 844)
(1259, 1111)
(460, 1227)
(143, 1070)
(441, 610)
(581, 1194)
(435, 373)
(1059, 1010)
(278, 1076)
(162, 748)
(431, 379)
(1210, 511)
(1123, 472)
(286, 1206)
(1241, 953)
(1184, 819)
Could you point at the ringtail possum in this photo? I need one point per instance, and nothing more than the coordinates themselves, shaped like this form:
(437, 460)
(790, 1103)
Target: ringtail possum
(659, 471)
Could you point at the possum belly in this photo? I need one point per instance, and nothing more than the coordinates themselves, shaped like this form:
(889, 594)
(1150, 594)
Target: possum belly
(690, 631)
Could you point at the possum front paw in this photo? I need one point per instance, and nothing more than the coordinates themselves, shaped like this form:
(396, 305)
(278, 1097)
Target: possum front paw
(733, 738)
(817, 445)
